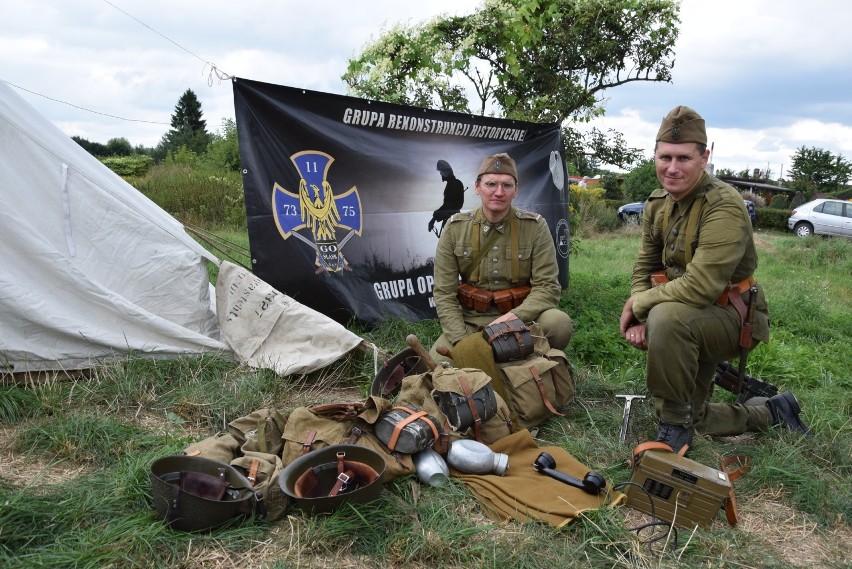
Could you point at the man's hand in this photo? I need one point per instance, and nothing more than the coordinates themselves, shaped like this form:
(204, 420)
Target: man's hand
(633, 331)
(627, 317)
(504, 318)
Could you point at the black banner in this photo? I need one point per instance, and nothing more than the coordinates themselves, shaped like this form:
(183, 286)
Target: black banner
(340, 191)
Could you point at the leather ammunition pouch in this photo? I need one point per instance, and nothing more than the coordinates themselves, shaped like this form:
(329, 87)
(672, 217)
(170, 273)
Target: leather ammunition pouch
(731, 291)
(506, 300)
(407, 429)
(482, 300)
(510, 340)
(474, 298)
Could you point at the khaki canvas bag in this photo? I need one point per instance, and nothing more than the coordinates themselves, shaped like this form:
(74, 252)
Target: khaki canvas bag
(306, 431)
(417, 390)
(537, 387)
(252, 445)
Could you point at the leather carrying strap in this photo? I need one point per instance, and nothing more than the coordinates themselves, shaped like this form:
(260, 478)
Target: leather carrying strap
(252, 473)
(543, 393)
(343, 475)
(476, 229)
(412, 416)
(337, 411)
(652, 445)
(477, 420)
(307, 446)
(354, 435)
(734, 466)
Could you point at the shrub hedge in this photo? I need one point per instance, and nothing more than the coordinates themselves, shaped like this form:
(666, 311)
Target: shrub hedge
(769, 218)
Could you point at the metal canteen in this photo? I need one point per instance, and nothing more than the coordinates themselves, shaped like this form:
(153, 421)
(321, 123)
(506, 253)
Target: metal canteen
(474, 457)
(431, 467)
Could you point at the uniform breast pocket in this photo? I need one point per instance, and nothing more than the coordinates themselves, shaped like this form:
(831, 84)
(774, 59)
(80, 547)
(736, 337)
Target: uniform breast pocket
(524, 257)
(462, 251)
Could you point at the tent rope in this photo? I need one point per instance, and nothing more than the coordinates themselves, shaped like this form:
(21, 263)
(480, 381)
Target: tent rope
(224, 247)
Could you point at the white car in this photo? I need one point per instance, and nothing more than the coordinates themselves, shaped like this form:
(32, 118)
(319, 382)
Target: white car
(822, 217)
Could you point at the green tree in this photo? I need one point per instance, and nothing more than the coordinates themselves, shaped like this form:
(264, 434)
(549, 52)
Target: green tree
(119, 147)
(818, 170)
(93, 148)
(725, 172)
(612, 189)
(641, 181)
(224, 149)
(536, 60)
(189, 129)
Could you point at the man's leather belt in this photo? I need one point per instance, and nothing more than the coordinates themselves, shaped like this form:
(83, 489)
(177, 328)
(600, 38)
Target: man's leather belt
(659, 277)
(482, 300)
(738, 289)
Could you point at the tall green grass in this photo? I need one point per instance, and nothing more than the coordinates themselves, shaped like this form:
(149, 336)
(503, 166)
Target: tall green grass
(200, 196)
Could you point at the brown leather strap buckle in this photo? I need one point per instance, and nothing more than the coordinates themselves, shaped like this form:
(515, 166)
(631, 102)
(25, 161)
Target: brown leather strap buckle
(307, 446)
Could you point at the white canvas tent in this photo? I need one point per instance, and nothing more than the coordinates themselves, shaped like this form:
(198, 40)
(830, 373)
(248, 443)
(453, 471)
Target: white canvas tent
(91, 269)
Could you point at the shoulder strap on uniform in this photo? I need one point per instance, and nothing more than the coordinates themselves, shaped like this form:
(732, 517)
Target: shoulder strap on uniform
(691, 223)
(516, 247)
(694, 213)
(479, 253)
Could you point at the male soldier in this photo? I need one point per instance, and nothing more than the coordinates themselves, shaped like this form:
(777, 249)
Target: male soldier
(453, 196)
(697, 229)
(494, 248)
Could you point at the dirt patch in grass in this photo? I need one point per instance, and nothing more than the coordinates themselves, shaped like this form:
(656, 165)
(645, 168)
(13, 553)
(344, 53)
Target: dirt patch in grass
(796, 537)
(789, 533)
(22, 470)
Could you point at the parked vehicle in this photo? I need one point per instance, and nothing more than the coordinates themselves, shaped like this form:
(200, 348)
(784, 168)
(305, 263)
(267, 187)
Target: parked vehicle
(822, 217)
(752, 212)
(632, 212)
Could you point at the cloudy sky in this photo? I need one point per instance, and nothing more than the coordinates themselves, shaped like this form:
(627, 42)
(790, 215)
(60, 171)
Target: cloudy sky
(768, 76)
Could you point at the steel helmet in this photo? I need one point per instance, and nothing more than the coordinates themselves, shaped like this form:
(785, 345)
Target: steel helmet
(325, 479)
(194, 493)
(389, 377)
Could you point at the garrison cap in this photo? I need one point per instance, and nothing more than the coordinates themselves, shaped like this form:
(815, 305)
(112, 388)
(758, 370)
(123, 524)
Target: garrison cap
(682, 124)
(500, 163)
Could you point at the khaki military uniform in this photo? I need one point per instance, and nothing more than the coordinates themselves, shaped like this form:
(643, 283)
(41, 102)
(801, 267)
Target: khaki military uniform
(531, 258)
(686, 332)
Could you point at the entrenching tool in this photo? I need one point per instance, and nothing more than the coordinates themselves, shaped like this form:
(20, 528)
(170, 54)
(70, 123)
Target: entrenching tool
(414, 343)
(628, 402)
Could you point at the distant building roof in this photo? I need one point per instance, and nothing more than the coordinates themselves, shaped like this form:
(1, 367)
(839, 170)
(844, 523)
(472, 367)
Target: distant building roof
(755, 185)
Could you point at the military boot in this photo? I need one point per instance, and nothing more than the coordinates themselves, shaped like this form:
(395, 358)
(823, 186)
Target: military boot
(676, 436)
(785, 411)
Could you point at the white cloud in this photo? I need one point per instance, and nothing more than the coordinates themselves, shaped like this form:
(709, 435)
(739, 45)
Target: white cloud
(769, 76)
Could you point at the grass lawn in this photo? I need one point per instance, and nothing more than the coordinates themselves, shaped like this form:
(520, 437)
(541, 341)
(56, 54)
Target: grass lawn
(75, 453)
